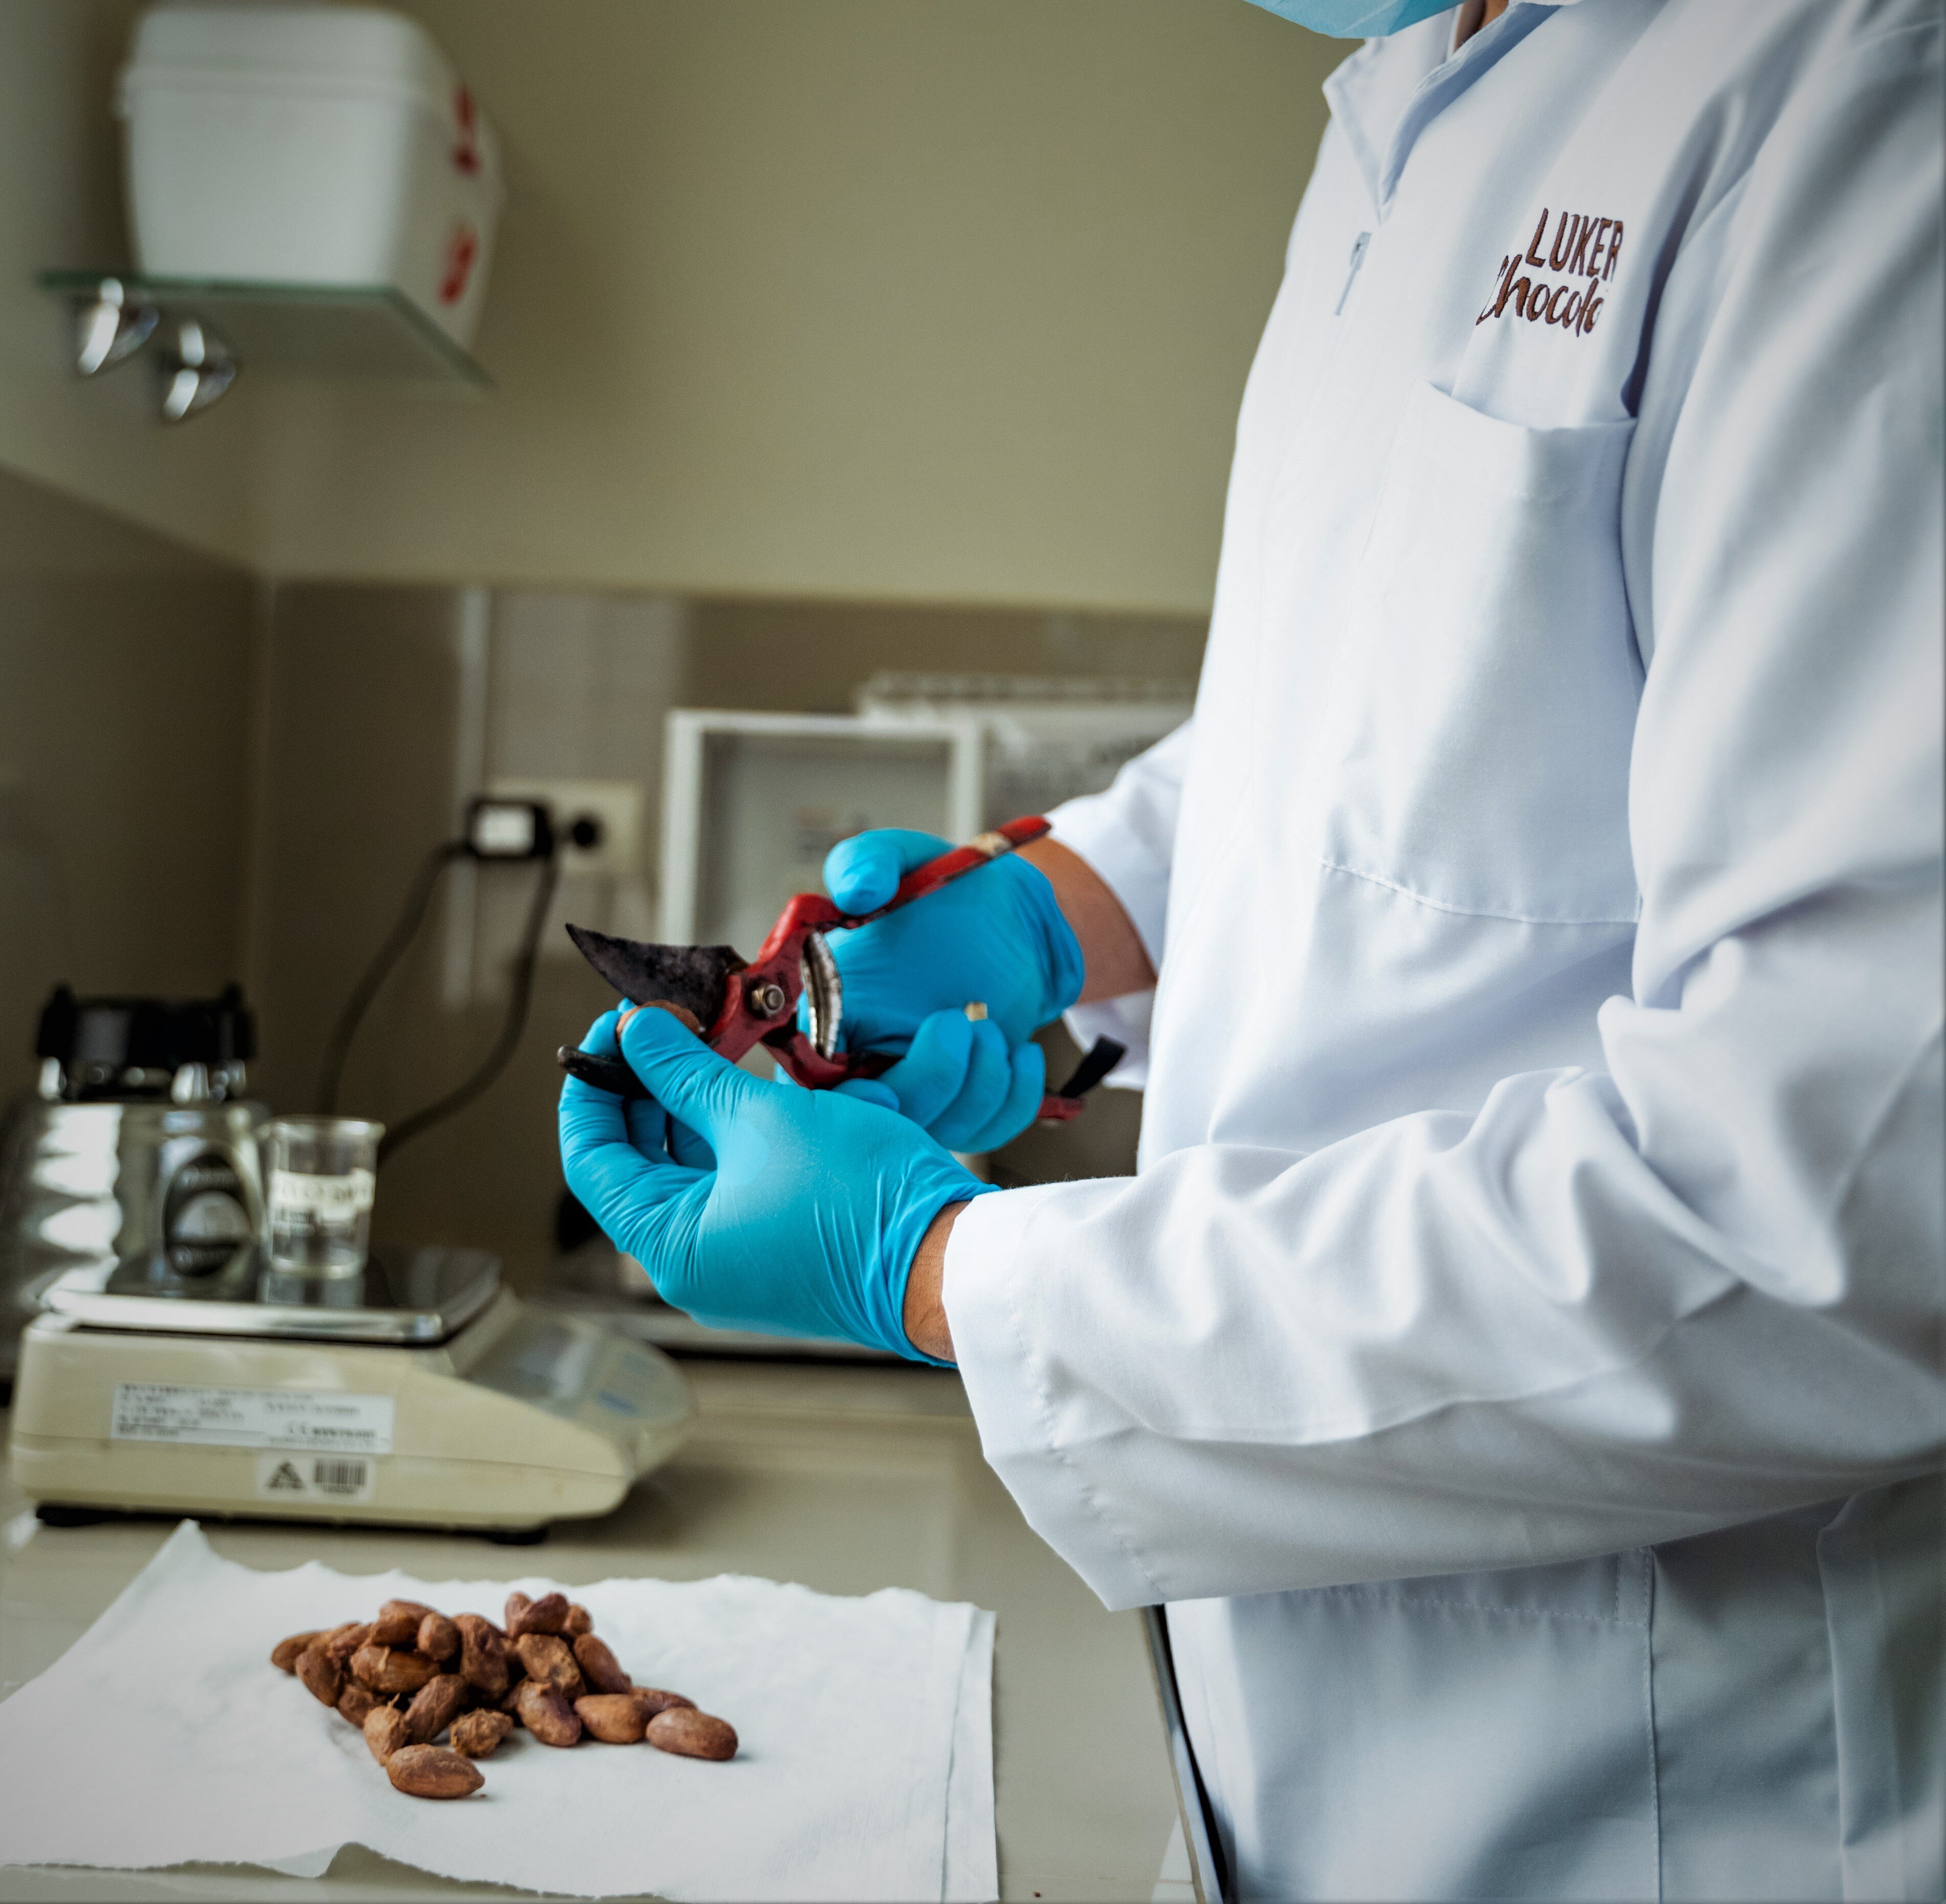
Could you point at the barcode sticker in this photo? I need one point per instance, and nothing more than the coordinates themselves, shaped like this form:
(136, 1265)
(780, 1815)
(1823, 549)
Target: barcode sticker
(318, 1478)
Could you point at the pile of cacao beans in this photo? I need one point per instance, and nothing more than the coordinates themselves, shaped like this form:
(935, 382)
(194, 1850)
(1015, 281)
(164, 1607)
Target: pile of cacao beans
(412, 1673)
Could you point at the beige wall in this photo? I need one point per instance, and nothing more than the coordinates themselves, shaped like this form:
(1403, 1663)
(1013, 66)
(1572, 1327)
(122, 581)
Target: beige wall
(61, 206)
(923, 299)
(125, 762)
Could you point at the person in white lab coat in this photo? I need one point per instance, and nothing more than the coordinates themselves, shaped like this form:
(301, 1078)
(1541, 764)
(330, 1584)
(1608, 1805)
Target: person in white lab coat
(1516, 1364)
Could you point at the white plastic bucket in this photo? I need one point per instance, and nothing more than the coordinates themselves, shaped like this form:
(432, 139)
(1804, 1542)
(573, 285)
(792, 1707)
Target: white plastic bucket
(309, 145)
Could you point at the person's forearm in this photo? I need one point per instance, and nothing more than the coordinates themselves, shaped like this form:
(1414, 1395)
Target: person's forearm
(1111, 949)
(924, 1307)
(1115, 963)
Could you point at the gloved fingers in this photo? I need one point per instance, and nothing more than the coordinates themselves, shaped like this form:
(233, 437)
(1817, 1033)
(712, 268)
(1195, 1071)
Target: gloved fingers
(586, 1113)
(688, 1148)
(869, 1090)
(1028, 1064)
(989, 1077)
(694, 1084)
(932, 1074)
(862, 872)
(615, 1180)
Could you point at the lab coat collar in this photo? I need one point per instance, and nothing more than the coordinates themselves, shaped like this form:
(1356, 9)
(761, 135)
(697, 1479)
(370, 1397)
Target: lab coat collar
(1385, 94)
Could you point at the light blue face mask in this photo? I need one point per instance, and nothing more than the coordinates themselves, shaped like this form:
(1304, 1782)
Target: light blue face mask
(1354, 19)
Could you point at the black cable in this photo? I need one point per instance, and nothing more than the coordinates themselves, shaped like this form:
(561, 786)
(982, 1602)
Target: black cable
(331, 1072)
(511, 1029)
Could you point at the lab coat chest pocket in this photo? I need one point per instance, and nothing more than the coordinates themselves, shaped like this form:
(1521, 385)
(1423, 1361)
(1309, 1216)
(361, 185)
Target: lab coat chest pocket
(1484, 705)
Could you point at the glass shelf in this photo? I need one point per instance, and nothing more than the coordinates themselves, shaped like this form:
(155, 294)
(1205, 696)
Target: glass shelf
(323, 333)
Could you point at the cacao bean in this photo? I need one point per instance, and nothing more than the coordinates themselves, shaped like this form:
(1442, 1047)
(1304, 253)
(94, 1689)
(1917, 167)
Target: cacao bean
(547, 1715)
(385, 1732)
(356, 1702)
(579, 1621)
(652, 1700)
(432, 1772)
(547, 1615)
(398, 1622)
(517, 1603)
(478, 1735)
(321, 1675)
(437, 1637)
(284, 1654)
(435, 1707)
(598, 1665)
(617, 1718)
(547, 1658)
(693, 1734)
(482, 1655)
(388, 1670)
(342, 1641)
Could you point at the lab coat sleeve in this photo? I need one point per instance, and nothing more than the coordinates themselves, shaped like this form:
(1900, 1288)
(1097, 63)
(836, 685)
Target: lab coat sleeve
(1127, 835)
(1703, 1283)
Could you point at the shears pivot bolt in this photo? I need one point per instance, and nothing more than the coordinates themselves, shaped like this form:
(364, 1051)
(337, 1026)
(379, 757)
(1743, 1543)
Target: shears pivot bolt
(765, 998)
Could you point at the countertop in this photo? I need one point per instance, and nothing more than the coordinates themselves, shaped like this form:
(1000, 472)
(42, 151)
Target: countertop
(846, 1479)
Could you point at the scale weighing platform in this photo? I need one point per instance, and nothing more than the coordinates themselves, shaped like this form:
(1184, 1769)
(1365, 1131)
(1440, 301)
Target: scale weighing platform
(416, 1392)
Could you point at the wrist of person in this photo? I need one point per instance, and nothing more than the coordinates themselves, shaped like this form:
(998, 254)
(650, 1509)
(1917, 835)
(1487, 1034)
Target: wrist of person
(924, 1307)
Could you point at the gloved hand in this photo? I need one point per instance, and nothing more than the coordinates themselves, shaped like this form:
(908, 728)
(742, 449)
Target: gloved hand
(800, 1218)
(995, 935)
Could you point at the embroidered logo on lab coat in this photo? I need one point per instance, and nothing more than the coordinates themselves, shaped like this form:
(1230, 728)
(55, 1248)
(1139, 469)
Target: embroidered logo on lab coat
(1583, 255)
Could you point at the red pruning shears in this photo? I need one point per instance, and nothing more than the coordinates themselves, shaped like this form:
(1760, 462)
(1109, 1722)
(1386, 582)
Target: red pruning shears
(735, 1004)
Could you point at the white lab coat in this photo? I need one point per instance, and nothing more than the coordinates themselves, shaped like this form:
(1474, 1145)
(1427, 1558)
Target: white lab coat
(1517, 1362)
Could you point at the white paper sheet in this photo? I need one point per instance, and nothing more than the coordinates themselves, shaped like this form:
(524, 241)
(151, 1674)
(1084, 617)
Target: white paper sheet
(865, 1769)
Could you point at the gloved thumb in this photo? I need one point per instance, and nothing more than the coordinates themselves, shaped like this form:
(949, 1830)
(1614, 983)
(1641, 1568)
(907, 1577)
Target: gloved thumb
(692, 1083)
(862, 872)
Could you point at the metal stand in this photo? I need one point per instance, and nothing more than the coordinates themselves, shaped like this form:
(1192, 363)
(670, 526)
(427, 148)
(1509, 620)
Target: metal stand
(1207, 1868)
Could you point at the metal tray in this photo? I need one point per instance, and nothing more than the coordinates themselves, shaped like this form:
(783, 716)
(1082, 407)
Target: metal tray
(410, 1297)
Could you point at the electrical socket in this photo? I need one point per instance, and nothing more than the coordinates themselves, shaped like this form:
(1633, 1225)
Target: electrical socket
(616, 804)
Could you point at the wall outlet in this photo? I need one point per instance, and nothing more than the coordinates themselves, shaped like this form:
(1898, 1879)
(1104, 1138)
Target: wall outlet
(615, 806)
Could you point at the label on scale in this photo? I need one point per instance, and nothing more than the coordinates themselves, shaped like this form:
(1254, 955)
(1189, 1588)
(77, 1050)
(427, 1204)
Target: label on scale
(314, 1477)
(311, 1421)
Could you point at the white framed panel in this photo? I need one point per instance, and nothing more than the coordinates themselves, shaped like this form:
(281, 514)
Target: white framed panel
(752, 802)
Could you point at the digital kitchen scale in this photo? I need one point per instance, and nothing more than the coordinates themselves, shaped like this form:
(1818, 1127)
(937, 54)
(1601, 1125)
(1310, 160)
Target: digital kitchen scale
(417, 1391)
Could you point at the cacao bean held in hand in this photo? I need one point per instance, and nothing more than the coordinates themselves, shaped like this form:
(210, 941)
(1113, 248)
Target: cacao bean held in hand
(693, 1734)
(546, 1714)
(478, 1734)
(432, 1772)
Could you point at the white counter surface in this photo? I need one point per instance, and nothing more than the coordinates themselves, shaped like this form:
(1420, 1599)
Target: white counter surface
(845, 1479)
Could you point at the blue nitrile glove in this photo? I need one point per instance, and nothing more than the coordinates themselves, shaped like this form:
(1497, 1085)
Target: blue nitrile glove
(995, 935)
(805, 1219)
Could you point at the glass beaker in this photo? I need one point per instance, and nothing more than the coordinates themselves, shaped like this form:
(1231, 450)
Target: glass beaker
(320, 1202)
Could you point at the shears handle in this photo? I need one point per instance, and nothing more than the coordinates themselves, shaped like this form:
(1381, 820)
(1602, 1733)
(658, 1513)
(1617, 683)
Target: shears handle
(760, 1002)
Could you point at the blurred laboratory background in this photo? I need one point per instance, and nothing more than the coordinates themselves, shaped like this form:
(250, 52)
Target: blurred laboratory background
(877, 359)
